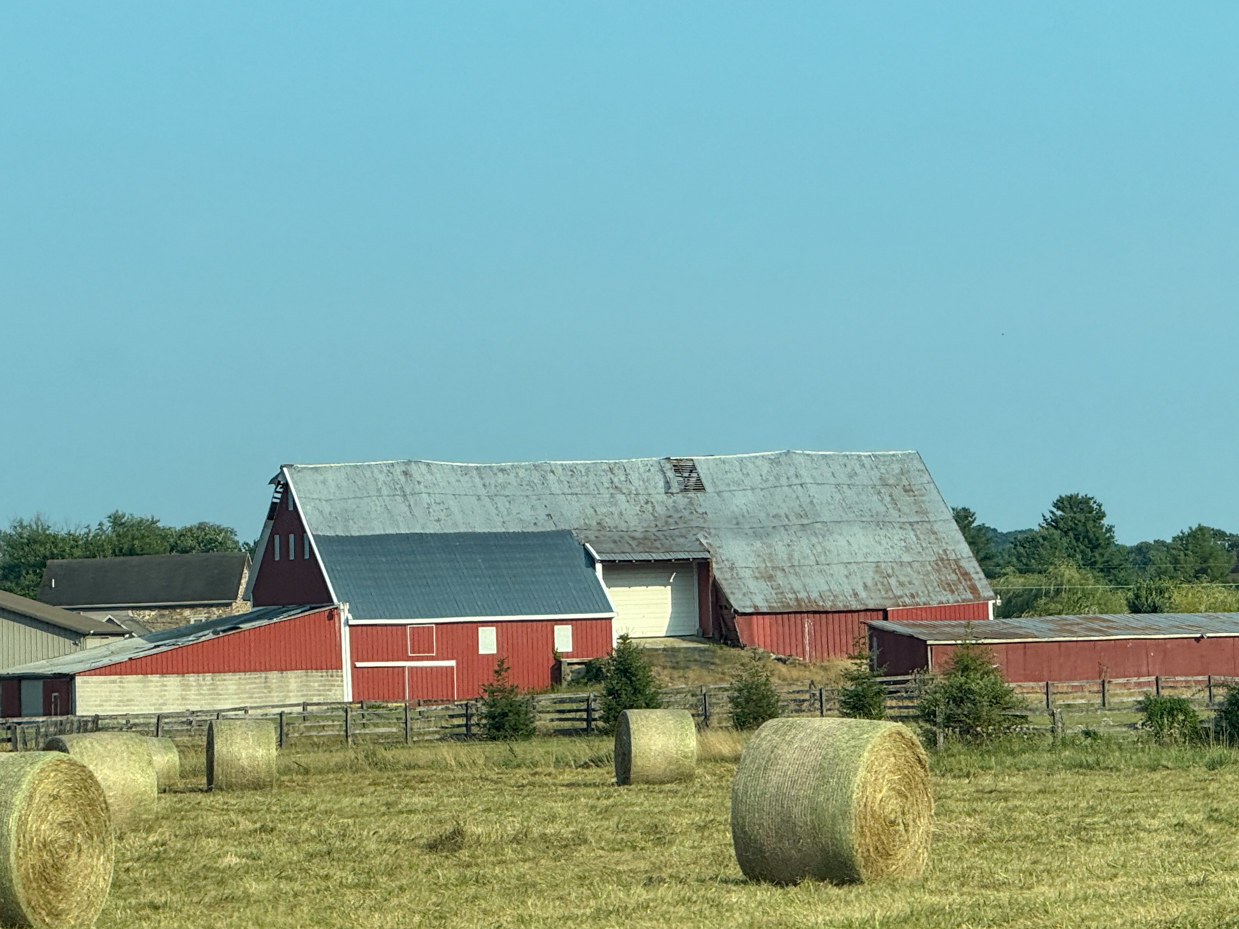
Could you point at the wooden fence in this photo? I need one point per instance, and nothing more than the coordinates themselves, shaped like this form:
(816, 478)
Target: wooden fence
(574, 713)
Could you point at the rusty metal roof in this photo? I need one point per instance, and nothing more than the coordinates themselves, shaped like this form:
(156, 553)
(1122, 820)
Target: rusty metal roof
(786, 531)
(1069, 628)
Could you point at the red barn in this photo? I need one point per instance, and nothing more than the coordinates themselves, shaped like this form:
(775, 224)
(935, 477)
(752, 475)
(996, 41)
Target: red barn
(1071, 648)
(789, 551)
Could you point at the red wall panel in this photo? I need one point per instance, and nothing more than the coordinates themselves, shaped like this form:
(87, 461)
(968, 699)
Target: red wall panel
(898, 654)
(56, 697)
(961, 612)
(809, 636)
(288, 582)
(379, 684)
(303, 643)
(527, 645)
(10, 698)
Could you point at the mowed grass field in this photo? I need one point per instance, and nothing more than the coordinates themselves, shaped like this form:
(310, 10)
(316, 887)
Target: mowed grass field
(536, 834)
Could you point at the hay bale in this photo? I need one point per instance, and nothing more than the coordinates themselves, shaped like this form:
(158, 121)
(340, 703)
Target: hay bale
(56, 845)
(240, 754)
(167, 761)
(655, 746)
(840, 800)
(122, 763)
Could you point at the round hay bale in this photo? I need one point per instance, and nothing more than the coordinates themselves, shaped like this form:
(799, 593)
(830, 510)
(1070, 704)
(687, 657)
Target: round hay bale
(167, 761)
(240, 754)
(839, 800)
(56, 845)
(655, 746)
(122, 763)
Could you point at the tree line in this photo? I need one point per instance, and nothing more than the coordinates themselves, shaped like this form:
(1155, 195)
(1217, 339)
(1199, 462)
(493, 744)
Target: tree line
(27, 545)
(1073, 563)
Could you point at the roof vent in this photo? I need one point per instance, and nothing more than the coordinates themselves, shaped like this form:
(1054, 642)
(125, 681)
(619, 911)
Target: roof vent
(687, 478)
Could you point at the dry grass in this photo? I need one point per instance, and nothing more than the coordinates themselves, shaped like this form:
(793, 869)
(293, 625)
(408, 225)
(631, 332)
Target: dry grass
(535, 834)
(719, 664)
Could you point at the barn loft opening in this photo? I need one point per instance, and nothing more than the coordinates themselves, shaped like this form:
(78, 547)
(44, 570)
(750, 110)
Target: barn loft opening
(688, 480)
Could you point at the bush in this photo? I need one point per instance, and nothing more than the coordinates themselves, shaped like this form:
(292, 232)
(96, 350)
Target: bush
(628, 683)
(863, 695)
(753, 698)
(505, 714)
(1226, 717)
(1170, 719)
(971, 698)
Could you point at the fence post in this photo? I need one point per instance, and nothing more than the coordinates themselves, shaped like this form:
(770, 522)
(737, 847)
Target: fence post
(940, 728)
(1049, 697)
(468, 719)
(158, 725)
(589, 713)
(12, 737)
(1058, 725)
(705, 709)
(821, 701)
(95, 724)
(282, 736)
(1157, 685)
(1209, 690)
(348, 732)
(406, 722)
(1103, 693)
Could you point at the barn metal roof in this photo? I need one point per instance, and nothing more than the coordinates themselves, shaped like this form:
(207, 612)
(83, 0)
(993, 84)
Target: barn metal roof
(101, 656)
(786, 531)
(1068, 628)
(55, 616)
(457, 575)
(144, 580)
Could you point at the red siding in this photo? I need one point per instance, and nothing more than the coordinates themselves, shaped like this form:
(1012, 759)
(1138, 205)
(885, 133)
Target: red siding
(705, 608)
(288, 582)
(1095, 659)
(303, 643)
(809, 636)
(963, 612)
(527, 645)
(56, 697)
(898, 654)
(10, 698)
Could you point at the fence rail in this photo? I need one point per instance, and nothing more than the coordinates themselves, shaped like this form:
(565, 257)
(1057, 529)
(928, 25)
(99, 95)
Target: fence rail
(575, 713)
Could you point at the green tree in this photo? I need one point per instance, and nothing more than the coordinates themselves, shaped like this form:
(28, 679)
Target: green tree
(205, 537)
(1074, 532)
(753, 698)
(1169, 719)
(505, 713)
(26, 547)
(1226, 717)
(863, 695)
(628, 683)
(970, 697)
(1201, 554)
(979, 539)
(1152, 595)
(1062, 589)
(125, 534)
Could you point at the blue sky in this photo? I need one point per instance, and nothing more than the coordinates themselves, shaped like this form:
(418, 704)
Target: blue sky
(235, 236)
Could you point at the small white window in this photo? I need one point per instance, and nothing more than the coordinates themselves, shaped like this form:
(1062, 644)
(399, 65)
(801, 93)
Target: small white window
(277, 547)
(486, 640)
(292, 546)
(306, 539)
(563, 639)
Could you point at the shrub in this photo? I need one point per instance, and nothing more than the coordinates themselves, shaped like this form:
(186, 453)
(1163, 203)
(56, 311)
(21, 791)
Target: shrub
(505, 714)
(970, 698)
(863, 695)
(628, 683)
(1170, 719)
(1226, 717)
(753, 698)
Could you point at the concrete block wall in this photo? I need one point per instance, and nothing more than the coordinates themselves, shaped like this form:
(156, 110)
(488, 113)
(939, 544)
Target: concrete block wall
(174, 693)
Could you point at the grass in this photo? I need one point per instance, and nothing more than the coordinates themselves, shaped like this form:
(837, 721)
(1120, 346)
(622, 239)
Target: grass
(722, 664)
(1091, 833)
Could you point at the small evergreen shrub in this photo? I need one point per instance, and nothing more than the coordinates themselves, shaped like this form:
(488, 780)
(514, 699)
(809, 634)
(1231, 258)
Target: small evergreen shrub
(628, 683)
(753, 698)
(1226, 717)
(505, 714)
(863, 695)
(970, 697)
(1170, 719)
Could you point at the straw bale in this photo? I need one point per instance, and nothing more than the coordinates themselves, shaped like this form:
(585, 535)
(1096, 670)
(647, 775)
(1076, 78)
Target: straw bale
(56, 844)
(240, 754)
(840, 800)
(122, 763)
(167, 761)
(655, 746)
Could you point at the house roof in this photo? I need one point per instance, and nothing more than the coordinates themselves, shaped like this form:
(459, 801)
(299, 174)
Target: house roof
(102, 656)
(55, 616)
(457, 575)
(786, 531)
(144, 580)
(1068, 628)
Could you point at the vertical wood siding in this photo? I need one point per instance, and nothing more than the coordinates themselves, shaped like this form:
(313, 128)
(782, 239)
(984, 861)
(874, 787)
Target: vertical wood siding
(808, 636)
(528, 647)
(1092, 659)
(23, 640)
(303, 643)
(962, 612)
(898, 654)
(288, 582)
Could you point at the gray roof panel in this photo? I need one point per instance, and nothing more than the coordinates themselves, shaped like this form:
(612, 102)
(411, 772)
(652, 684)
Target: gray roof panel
(1068, 628)
(787, 531)
(144, 580)
(462, 574)
(55, 616)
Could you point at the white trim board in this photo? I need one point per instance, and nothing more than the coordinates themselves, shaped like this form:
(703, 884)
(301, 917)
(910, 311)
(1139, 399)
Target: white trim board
(404, 664)
(429, 621)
